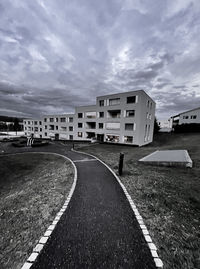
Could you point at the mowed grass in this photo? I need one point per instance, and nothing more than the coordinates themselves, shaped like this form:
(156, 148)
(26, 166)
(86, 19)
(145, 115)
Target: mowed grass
(168, 198)
(33, 187)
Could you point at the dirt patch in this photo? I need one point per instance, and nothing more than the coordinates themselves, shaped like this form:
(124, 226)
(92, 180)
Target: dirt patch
(167, 198)
(33, 187)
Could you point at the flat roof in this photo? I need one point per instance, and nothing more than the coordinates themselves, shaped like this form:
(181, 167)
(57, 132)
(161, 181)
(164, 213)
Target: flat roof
(121, 93)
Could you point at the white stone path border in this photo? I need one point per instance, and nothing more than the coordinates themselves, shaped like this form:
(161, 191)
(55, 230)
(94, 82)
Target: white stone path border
(50, 229)
(151, 245)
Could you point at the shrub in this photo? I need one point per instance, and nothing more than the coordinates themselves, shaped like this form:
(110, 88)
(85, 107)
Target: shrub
(187, 128)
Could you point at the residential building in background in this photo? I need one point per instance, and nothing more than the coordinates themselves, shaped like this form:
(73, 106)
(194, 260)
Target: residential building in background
(126, 118)
(165, 125)
(187, 117)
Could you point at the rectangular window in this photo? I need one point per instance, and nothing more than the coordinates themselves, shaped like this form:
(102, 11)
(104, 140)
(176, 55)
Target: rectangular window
(130, 113)
(80, 115)
(193, 117)
(56, 127)
(62, 119)
(56, 119)
(40, 129)
(80, 134)
(70, 119)
(45, 127)
(112, 138)
(148, 103)
(101, 114)
(101, 102)
(100, 125)
(35, 122)
(185, 117)
(45, 119)
(40, 122)
(114, 101)
(131, 99)
(71, 137)
(129, 126)
(80, 125)
(145, 133)
(71, 128)
(29, 122)
(36, 129)
(128, 139)
(51, 119)
(45, 134)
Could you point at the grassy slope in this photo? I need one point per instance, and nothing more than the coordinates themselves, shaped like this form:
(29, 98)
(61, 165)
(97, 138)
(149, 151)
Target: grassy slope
(33, 187)
(167, 198)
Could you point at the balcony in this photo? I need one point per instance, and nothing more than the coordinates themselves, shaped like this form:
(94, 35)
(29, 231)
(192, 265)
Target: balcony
(114, 114)
(90, 134)
(90, 125)
(90, 115)
(51, 127)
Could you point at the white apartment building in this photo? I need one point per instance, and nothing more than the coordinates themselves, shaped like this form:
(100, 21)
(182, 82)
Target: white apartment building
(190, 116)
(126, 118)
(165, 125)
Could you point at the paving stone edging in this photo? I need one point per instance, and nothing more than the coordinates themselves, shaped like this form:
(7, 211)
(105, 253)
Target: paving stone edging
(50, 229)
(151, 245)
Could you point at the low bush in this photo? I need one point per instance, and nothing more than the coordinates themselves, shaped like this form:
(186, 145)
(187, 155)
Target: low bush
(187, 128)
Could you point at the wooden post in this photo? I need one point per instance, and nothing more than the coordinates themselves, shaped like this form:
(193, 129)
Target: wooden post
(121, 160)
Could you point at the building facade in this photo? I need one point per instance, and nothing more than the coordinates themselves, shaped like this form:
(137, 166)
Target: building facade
(165, 125)
(126, 118)
(187, 117)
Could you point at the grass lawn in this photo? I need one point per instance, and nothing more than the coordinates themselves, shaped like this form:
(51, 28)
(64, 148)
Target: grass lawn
(168, 198)
(33, 187)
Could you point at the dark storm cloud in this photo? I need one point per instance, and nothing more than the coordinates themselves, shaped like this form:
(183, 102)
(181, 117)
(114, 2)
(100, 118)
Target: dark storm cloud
(55, 55)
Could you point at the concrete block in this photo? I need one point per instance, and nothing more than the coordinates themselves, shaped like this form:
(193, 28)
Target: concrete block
(43, 240)
(148, 239)
(168, 158)
(152, 246)
(48, 233)
(32, 257)
(27, 265)
(154, 253)
(38, 248)
(158, 262)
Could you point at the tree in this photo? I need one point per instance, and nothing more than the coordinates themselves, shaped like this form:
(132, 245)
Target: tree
(156, 126)
(16, 125)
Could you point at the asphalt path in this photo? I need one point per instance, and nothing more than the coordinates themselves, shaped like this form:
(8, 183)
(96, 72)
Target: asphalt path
(99, 228)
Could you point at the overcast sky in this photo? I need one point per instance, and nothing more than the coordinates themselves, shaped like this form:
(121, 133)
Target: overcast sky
(58, 54)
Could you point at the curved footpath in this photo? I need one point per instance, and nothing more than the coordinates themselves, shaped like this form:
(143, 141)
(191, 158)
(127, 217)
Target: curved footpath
(98, 228)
